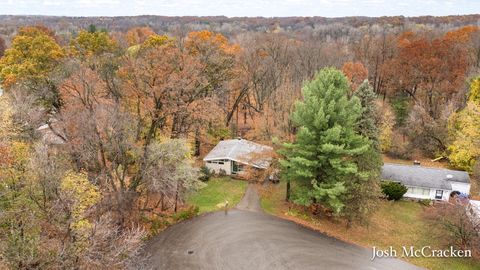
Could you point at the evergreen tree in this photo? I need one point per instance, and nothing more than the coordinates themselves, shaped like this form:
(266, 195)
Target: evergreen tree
(363, 189)
(367, 123)
(321, 158)
(92, 28)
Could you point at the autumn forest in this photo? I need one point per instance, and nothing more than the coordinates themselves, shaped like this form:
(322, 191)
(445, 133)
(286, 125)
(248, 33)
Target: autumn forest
(104, 122)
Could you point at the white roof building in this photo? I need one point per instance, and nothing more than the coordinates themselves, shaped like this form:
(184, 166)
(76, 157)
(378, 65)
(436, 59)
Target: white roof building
(231, 155)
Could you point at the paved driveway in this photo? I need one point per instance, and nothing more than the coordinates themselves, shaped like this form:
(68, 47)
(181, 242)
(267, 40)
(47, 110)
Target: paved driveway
(248, 239)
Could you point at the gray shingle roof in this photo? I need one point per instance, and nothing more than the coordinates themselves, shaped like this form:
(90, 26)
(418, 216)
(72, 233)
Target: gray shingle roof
(413, 175)
(242, 151)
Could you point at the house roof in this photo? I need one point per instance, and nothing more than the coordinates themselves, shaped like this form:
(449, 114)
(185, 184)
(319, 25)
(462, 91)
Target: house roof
(415, 175)
(242, 151)
(48, 136)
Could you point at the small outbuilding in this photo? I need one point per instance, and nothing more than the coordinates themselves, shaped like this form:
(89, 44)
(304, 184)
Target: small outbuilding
(428, 183)
(50, 135)
(232, 156)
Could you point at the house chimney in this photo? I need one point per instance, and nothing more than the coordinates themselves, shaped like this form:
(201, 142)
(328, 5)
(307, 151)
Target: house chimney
(416, 162)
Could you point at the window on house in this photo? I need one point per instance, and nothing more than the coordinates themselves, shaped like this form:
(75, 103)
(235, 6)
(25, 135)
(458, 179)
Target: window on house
(419, 191)
(219, 161)
(240, 168)
(439, 194)
(236, 167)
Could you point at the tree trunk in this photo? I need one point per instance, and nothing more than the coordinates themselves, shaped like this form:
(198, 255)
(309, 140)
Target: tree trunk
(176, 197)
(162, 204)
(235, 105)
(287, 197)
(197, 142)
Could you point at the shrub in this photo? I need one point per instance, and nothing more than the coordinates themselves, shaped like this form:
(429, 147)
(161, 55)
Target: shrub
(222, 172)
(425, 202)
(157, 224)
(188, 213)
(393, 190)
(205, 174)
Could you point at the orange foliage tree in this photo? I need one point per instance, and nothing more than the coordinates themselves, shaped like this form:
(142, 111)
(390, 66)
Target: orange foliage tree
(217, 55)
(355, 72)
(138, 35)
(430, 71)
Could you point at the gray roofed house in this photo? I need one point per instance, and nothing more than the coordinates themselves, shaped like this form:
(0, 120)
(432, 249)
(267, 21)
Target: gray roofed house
(231, 155)
(427, 183)
(48, 135)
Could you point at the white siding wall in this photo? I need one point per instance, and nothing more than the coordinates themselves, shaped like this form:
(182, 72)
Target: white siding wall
(445, 197)
(462, 187)
(226, 166)
(415, 195)
(430, 194)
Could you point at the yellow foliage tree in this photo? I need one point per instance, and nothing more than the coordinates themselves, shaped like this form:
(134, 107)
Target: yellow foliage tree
(88, 44)
(6, 126)
(387, 122)
(464, 129)
(151, 42)
(154, 41)
(82, 196)
(33, 54)
(474, 95)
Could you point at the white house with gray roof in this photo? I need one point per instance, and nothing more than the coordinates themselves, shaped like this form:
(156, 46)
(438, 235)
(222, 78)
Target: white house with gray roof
(232, 156)
(427, 183)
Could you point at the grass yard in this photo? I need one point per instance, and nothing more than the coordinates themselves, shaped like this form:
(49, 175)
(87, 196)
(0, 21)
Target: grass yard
(394, 224)
(218, 189)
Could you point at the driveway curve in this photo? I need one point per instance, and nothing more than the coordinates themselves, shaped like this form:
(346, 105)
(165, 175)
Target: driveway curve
(249, 239)
(250, 200)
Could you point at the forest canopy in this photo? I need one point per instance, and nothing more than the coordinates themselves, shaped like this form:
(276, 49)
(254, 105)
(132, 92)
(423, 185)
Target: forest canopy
(102, 121)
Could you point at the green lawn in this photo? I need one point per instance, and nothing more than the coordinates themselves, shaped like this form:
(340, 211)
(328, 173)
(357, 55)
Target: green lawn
(394, 224)
(218, 190)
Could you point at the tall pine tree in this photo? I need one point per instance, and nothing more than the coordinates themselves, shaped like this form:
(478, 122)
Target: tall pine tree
(367, 122)
(321, 159)
(363, 189)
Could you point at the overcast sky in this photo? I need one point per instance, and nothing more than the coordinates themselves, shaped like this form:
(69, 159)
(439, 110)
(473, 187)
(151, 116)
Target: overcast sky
(231, 8)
